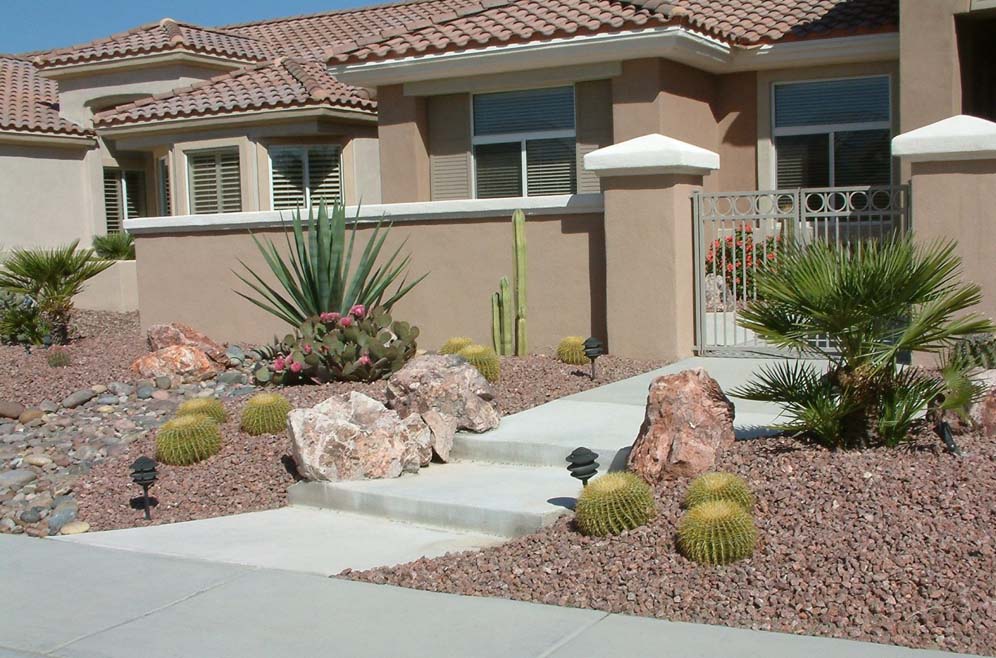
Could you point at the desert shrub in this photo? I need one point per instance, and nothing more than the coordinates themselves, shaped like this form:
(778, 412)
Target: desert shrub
(717, 532)
(265, 413)
(614, 502)
(57, 358)
(319, 276)
(358, 346)
(455, 344)
(571, 351)
(52, 277)
(115, 246)
(719, 486)
(485, 359)
(186, 440)
(210, 407)
(738, 257)
(861, 307)
(21, 320)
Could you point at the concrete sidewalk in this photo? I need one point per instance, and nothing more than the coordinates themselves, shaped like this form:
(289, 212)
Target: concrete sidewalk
(69, 600)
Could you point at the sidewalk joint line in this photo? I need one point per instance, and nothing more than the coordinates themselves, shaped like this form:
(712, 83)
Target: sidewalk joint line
(559, 644)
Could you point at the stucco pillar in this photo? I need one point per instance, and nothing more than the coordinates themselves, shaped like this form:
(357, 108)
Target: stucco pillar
(647, 183)
(402, 131)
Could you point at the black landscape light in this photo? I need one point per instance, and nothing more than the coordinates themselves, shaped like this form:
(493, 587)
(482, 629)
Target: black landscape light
(944, 429)
(593, 348)
(143, 473)
(582, 464)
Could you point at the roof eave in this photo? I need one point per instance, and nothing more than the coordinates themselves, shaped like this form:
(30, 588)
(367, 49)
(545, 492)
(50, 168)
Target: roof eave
(144, 60)
(673, 42)
(38, 138)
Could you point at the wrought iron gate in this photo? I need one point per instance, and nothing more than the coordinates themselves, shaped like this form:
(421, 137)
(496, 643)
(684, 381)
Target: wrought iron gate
(737, 233)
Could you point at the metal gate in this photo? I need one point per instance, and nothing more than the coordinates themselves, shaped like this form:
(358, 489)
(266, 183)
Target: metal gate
(737, 233)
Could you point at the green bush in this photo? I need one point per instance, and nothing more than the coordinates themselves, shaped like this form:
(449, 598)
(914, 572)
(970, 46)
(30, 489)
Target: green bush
(210, 407)
(21, 320)
(719, 486)
(318, 274)
(484, 359)
(115, 246)
(717, 532)
(52, 277)
(186, 440)
(571, 351)
(614, 502)
(265, 413)
(455, 344)
(358, 346)
(862, 308)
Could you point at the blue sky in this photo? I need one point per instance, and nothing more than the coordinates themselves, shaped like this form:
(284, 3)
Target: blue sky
(44, 24)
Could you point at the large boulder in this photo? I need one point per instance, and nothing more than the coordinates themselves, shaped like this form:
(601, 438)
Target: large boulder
(689, 421)
(354, 437)
(448, 385)
(180, 363)
(160, 336)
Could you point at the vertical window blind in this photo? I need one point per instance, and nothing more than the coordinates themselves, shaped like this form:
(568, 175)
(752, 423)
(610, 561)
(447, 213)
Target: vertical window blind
(305, 175)
(165, 203)
(524, 141)
(124, 197)
(833, 133)
(215, 181)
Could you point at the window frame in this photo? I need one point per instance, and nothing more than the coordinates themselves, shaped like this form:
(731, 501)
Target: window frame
(521, 137)
(164, 195)
(216, 150)
(828, 129)
(121, 179)
(306, 171)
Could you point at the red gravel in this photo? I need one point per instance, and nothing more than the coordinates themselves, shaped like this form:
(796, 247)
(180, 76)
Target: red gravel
(891, 546)
(103, 351)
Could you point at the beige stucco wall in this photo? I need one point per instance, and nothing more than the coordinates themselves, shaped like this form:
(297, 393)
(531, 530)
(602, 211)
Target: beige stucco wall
(114, 289)
(188, 277)
(955, 201)
(44, 196)
(403, 134)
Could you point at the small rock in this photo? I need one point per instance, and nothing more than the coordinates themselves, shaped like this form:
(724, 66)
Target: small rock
(163, 382)
(30, 415)
(160, 395)
(10, 409)
(144, 392)
(48, 406)
(33, 515)
(121, 389)
(98, 389)
(75, 528)
(232, 377)
(107, 399)
(81, 396)
(6, 428)
(16, 478)
(235, 353)
(8, 525)
(105, 409)
(37, 460)
(60, 517)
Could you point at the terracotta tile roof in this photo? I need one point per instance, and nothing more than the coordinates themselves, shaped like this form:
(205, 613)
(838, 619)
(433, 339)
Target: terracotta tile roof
(482, 23)
(283, 83)
(314, 34)
(30, 103)
(165, 36)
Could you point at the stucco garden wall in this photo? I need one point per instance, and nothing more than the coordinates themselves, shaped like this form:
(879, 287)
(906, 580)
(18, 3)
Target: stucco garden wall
(114, 289)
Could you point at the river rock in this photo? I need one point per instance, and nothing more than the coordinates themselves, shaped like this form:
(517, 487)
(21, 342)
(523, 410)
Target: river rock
(16, 478)
(10, 409)
(81, 396)
(688, 422)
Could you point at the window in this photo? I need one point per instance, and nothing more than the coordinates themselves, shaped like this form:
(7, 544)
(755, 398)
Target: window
(304, 175)
(833, 133)
(162, 169)
(524, 143)
(215, 181)
(124, 197)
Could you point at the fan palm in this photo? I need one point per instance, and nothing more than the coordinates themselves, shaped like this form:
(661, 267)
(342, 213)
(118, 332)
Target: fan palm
(317, 275)
(52, 277)
(861, 307)
(115, 246)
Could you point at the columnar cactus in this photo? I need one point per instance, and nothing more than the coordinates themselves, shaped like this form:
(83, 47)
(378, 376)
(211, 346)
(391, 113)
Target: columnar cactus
(614, 502)
(571, 351)
(508, 316)
(187, 440)
(484, 359)
(265, 413)
(717, 532)
(519, 230)
(210, 407)
(719, 486)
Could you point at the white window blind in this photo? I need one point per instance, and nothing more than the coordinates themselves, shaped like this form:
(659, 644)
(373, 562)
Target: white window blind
(524, 141)
(305, 175)
(215, 181)
(124, 197)
(113, 211)
(833, 132)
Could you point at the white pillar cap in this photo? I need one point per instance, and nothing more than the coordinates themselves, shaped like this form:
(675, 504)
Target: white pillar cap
(959, 137)
(651, 154)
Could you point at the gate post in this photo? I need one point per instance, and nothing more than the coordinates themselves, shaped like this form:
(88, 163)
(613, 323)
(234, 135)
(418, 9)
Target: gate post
(647, 183)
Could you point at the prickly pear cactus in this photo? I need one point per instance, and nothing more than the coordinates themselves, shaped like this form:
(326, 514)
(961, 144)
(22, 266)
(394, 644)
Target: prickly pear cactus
(719, 486)
(187, 440)
(210, 407)
(717, 532)
(614, 502)
(265, 413)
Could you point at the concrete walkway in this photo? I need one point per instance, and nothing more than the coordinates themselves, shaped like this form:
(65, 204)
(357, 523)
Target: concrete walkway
(72, 601)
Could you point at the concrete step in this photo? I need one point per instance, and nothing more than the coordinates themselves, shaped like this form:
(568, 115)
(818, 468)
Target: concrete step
(506, 501)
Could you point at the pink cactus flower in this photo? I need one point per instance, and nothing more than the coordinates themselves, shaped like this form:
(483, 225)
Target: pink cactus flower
(306, 348)
(358, 311)
(278, 363)
(295, 367)
(346, 321)
(331, 317)
(364, 360)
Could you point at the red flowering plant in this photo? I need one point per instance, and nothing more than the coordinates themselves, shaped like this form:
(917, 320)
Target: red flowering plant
(362, 345)
(737, 258)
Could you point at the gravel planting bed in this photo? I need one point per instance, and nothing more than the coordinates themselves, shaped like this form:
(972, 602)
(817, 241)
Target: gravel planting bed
(892, 546)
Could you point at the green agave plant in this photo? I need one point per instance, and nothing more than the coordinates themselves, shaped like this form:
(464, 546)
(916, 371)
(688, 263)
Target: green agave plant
(318, 274)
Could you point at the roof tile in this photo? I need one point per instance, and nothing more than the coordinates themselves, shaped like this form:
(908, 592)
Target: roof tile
(29, 102)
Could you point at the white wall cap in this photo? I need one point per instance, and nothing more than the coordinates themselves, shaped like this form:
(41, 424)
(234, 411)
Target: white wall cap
(651, 154)
(959, 137)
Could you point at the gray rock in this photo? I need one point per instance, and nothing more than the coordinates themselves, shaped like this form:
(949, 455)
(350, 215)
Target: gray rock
(8, 525)
(120, 388)
(33, 515)
(145, 392)
(163, 383)
(235, 353)
(108, 399)
(60, 517)
(81, 396)
(48, 406)
(232, 377)
(10, 409)
(6, 428)
(17, 478)
(241, 391)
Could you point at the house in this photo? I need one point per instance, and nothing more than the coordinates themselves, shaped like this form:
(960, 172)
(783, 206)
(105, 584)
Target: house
(620, 126)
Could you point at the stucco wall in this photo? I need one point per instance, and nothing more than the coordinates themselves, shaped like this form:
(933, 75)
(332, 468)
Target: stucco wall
(44, 196)
(114, 289)
(955, 201)
(188, 277)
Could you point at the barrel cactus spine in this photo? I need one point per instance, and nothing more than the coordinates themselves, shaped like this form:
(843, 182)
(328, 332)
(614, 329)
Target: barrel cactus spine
(265, 413)
(719, 486)
(210, 407)
(614, 502)
(187, 439)
(717, 532)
